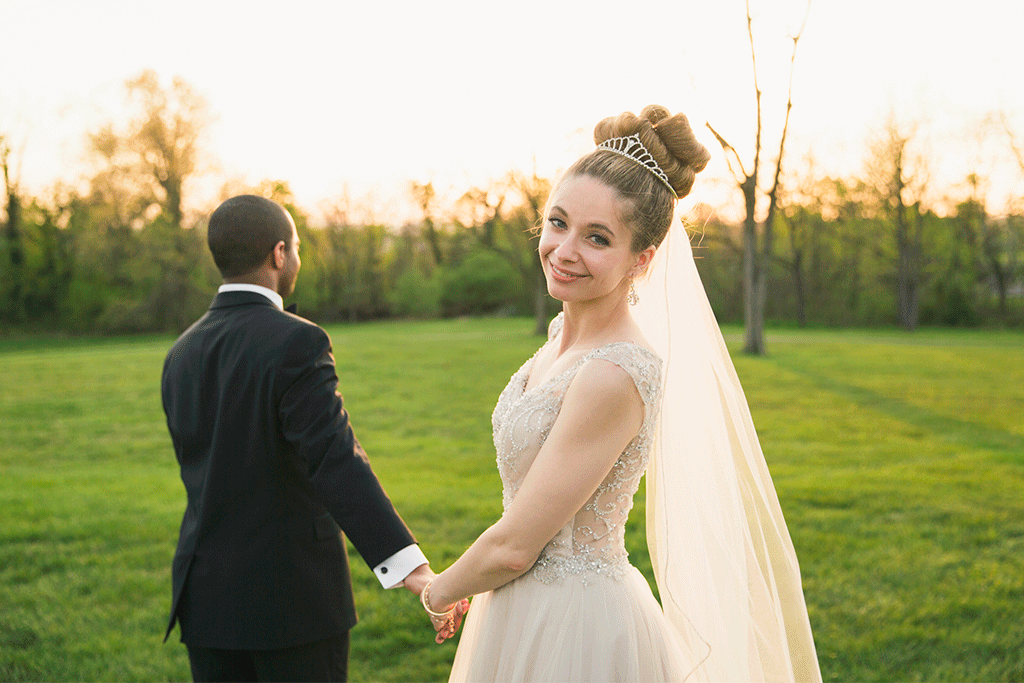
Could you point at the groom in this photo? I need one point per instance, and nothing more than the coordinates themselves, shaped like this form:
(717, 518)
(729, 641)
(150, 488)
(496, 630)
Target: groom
(273, 473)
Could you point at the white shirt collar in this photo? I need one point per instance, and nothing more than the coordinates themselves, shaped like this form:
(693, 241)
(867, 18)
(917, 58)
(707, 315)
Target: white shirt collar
(274, 297)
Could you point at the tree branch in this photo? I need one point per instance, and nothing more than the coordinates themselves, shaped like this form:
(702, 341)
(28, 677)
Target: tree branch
(757, 91)
(1017, 152)
(726, 147)
(773, 195)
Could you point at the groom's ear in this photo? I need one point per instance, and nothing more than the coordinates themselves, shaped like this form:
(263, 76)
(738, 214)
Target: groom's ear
(279, 256)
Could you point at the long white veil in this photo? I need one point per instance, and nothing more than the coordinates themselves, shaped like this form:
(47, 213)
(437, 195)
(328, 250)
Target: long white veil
(723, 559)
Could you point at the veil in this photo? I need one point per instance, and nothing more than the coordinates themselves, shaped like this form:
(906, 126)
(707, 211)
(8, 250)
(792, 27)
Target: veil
(723, 559)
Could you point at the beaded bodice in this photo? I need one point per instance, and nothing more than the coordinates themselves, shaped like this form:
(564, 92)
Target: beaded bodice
(594, 540)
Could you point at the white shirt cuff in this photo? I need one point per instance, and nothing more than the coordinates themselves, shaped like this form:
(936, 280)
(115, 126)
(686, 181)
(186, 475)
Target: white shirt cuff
(392, 571)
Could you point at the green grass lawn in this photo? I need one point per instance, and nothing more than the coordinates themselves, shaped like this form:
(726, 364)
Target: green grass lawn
(899, 462)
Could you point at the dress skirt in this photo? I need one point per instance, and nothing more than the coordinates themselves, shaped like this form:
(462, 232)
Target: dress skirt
(580, 627)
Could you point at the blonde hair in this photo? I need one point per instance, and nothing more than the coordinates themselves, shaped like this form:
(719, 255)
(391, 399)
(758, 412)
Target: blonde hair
(648, 204)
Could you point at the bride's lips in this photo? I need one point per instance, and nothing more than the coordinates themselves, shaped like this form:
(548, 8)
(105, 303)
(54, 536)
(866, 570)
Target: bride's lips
(563, 275)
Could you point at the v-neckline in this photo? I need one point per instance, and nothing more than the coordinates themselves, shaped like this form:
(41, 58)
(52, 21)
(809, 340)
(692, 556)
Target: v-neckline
(526, 389)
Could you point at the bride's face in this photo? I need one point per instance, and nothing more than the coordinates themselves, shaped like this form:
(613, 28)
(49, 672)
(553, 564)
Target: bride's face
(585, 248)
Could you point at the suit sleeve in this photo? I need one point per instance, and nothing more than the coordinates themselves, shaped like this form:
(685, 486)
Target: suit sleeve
(314, 420)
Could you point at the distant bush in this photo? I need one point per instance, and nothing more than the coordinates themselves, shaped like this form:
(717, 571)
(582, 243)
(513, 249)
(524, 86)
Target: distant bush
(416, 296)
(84, 303)
(951, 306)
(483, 283)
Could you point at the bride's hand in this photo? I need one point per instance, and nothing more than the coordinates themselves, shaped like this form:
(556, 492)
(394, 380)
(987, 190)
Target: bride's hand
(448, 625)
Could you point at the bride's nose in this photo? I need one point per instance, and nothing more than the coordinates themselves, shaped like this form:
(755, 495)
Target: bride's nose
(566, 250)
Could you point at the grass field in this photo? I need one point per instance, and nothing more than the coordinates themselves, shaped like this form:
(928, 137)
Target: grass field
(899, 462)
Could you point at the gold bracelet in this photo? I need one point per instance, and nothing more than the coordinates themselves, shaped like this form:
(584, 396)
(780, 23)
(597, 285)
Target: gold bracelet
(425, 597)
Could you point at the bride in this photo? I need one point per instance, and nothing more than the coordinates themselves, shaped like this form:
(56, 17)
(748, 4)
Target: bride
(634, 377)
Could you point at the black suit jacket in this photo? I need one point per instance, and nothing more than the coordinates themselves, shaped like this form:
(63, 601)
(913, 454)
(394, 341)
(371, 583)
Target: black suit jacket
(272, 470)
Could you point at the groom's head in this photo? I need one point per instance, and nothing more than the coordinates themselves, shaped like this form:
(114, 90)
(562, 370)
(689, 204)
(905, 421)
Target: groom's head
(248, 234)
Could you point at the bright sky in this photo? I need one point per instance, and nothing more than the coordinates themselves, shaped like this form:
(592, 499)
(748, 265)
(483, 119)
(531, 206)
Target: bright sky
(370, 95)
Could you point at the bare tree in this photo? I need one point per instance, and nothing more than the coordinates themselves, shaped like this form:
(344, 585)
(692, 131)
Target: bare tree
(534, 191)
(995, 243)
(160, 148)
(899, 180)
(1015, 145)
(757, 244)
(484, 205)
(12, 233)
(854, 243)
(426, 198)
(517, 243)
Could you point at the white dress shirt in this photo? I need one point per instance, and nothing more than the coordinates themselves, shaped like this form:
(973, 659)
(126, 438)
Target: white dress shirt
(258, 289)
(392, 571)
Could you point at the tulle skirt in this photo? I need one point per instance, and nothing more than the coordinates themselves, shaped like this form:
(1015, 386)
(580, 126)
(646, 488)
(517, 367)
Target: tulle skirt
(606, 630)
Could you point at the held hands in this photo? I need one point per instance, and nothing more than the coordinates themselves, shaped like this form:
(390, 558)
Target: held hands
(418, 578)
(445, 623)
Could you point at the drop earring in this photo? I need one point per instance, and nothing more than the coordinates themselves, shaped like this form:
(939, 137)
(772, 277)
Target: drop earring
(632, 299)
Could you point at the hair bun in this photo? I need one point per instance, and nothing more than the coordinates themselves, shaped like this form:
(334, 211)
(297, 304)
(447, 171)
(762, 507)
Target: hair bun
(655, 113)
(669, 138)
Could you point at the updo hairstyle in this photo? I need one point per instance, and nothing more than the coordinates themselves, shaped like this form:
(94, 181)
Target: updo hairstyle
(648, 205)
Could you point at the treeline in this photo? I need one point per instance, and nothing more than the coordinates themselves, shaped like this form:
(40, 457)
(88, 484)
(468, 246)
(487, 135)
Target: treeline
(77, 265)
(118, 253)
(849, 253)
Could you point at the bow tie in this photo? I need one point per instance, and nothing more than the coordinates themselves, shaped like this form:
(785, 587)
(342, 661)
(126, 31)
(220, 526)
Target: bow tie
(292, 308)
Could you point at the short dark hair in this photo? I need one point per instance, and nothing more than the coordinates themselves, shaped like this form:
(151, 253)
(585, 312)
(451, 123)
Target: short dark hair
(243, 231)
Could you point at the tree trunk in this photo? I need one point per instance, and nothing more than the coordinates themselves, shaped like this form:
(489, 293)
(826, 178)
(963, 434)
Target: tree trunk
(800, 287)
(990, 255)
(434, 241)
(907, 272)
(753, 276)
(1001, 284)
(172, 188)
(12, 233)
(903, 285)
(854, 299)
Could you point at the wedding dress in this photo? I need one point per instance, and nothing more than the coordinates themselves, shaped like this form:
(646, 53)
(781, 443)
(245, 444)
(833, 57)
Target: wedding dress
(726, 568)
(582, 613)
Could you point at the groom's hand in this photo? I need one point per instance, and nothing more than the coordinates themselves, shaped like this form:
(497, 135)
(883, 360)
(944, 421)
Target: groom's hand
(418, 578)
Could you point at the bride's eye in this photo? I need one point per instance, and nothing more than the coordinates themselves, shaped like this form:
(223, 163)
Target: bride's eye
(599, 240)
(558, 223)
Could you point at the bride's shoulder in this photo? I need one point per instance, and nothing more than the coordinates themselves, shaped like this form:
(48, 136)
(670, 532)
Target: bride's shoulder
(602, 379)
(629, 359)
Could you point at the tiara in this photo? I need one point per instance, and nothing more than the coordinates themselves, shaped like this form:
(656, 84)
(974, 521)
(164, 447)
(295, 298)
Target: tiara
(634, 150)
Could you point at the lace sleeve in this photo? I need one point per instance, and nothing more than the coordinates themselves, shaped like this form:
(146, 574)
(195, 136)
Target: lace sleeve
(642, 365)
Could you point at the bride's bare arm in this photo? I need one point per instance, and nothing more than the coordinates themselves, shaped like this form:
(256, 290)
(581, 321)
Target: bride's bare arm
(601, 413)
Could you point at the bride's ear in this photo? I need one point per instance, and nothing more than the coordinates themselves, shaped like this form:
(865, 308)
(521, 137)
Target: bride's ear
(643, 260)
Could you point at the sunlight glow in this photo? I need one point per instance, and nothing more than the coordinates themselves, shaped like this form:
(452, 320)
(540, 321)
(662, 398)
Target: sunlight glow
(364, 98)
